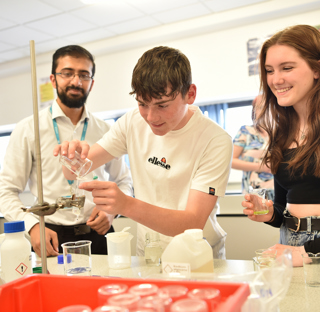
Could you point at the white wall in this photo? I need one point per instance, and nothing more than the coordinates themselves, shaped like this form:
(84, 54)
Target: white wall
(216, 48)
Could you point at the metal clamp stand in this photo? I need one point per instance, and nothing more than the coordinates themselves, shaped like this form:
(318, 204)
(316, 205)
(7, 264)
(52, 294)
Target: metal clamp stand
(42, 208)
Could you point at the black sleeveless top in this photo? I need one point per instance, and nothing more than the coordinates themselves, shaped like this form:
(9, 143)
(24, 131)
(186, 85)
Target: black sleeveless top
(296, 189)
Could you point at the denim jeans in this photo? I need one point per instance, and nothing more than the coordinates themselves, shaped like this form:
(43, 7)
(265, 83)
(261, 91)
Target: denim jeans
(292, 238)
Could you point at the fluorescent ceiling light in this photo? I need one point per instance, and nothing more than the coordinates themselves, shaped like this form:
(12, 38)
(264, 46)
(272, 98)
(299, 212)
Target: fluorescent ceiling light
(91, 1)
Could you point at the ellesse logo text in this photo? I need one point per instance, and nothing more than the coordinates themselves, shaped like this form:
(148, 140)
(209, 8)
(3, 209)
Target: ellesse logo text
(162, 163)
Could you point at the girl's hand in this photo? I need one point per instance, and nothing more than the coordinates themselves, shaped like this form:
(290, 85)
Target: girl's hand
(254, 203)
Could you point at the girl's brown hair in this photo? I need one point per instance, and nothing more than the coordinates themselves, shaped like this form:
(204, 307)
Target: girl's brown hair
(283, 127)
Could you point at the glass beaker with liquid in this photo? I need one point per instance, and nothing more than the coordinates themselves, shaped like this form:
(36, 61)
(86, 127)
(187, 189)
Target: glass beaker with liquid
(153, 249)
(77, 165)
(81, 258)
(261, 195)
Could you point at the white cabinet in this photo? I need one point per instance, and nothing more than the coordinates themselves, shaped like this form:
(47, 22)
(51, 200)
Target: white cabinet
(244, 236)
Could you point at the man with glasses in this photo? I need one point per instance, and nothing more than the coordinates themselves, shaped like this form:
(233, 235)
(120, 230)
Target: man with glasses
(72, 75)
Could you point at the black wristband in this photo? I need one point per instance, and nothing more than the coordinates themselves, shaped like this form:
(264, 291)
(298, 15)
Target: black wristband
(272, 218)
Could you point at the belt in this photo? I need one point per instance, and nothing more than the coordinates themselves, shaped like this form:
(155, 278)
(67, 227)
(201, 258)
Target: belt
(301, 224)
(78, 229)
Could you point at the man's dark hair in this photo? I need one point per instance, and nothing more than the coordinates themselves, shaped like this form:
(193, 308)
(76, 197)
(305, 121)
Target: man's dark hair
(73, 51)
(159, 68)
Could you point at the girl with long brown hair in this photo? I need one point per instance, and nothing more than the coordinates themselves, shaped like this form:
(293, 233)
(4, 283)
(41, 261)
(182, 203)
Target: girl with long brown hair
(289, 73)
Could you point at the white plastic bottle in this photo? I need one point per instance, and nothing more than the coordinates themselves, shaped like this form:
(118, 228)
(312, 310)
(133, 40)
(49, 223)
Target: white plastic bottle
(188, 252)
(15, 252)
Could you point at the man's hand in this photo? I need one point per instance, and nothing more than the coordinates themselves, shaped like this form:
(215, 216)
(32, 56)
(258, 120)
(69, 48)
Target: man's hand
(52, 243)
(107, 196)
(100, 221)
(67, 148)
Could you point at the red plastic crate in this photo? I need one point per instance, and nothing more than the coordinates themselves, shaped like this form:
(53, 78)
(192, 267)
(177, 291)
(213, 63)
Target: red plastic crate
(48, 293)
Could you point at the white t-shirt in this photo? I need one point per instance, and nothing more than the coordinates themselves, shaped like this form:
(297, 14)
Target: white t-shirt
(165, 168)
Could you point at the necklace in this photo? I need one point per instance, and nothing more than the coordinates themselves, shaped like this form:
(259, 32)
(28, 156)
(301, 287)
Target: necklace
(303, 135)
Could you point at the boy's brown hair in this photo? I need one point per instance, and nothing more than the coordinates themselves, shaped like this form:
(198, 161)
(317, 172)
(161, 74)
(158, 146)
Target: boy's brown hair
(158, 69)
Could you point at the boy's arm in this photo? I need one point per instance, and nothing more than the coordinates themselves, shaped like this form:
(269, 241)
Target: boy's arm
(172, 222)
(110, 199)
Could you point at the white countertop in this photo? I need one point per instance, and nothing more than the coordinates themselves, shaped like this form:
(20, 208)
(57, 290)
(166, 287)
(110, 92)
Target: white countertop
(298, 298)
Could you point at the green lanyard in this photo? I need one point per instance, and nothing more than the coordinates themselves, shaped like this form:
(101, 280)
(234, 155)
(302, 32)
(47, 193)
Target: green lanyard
(56, 131)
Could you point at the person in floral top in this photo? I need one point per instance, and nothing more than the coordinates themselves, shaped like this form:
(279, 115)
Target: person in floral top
(248, 151)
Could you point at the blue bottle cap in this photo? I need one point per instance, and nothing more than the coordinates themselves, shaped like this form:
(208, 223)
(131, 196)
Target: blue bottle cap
(60, 259)
(14, 226)
(69, 258)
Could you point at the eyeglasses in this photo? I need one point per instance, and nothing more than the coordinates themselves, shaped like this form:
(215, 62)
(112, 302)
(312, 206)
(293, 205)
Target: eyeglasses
(66, 74)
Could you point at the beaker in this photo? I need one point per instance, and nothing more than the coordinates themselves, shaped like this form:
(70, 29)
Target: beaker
(81, 258)
(119, 250)
(77, 165)
(260, 207)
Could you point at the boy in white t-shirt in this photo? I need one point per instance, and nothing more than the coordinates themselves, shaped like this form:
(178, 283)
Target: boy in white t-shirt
(180, 160)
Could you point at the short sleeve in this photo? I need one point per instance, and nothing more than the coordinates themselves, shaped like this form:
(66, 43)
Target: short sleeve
(240, 138)
(115, 140)
(213, 170)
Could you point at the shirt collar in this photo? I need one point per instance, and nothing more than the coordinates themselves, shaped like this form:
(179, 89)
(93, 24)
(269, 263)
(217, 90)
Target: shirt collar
(57, 112)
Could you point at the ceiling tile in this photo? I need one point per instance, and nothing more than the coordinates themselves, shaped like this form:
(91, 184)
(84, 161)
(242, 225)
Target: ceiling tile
(92, 35)
(65, 5)
(218, 5)
(183, 13)
(51, 45)
(62, 25)
(155, 6)
(20, 36)
(104, 14)
(5, 47)
(134, 25)
(15, 10)
(55, 23)
(12, 55)
(6, 24)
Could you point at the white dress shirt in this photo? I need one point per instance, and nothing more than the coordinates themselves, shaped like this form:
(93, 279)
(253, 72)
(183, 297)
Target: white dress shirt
(19, 167)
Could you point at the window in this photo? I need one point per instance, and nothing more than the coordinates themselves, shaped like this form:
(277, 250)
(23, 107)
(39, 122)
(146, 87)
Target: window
(231, 116)
(237, 117)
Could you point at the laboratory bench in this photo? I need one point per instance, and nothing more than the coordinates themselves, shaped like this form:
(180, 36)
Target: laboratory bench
(299, 297)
